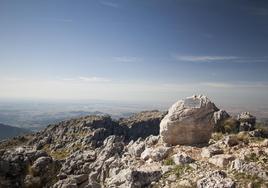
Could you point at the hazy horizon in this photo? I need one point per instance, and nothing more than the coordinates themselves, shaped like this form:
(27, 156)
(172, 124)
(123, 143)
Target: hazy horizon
(134, 51)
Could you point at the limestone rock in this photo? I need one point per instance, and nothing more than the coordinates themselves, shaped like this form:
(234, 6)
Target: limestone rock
(189, 121)
(40, 165)
(135, 178)
(251, 168)
(219, 118)
(143, 124)
(136, 148)
(216, 179)
(145, 155)
(182, 158)
(247, 121)
(151, 140)
(221, 160)
(160, 153)
(210, 151)
(142, 178)
(256, 133)
(264, 143)
(230, 140)
(156, 154)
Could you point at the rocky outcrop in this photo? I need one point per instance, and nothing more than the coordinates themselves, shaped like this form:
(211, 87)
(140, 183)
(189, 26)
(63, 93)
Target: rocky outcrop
(182, 158)
(143, 124)
(23, 166)
(99, 152)
(208, 152)
(189, 121)
(247, 121)
(250, 168)
(221, 160)
(216, 179)
(93, 130)
(155, 154)
(219, 118)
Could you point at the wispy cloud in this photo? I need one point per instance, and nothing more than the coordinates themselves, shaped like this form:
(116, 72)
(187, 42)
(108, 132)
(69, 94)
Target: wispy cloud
(225, 85)
(126, 59)
(93, 79)
(232, 59)
(109, 4)
(68, 79)
(203, 58)
(218, 84)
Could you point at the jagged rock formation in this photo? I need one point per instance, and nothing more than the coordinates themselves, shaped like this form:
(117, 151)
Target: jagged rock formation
(143, 124)
(216, 179)
(247, 121)
(219, 118)
(96, 152)
(189, 121)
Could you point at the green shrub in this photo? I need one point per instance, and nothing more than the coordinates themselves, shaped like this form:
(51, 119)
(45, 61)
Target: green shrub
(263, 126)
(57, 154)
(217, 136)
(252, 157)
(243, 137)
(244, 179)
(231, 126)
(169, 161)
(181, 169)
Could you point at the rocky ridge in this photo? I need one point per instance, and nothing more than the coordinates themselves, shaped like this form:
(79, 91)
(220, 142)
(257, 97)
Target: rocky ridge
(96, 151)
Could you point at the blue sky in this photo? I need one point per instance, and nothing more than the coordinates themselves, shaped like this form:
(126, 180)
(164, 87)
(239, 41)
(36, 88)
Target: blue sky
(134, 50)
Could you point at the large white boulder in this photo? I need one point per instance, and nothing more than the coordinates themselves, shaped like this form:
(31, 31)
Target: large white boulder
(189, 121)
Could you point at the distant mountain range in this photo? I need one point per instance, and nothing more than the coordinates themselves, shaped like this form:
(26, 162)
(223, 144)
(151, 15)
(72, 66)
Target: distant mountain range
(7, 131)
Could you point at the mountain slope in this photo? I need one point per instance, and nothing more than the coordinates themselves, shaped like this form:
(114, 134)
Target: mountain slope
(97, 151)
(7, 131)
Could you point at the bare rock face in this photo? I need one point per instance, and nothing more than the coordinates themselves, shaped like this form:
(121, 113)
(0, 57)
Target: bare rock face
(143, 124)
(189, 121)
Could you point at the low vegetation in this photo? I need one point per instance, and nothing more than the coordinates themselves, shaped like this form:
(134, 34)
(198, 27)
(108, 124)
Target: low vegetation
(217, 136)
(181, 169)
(57, 154)
(244, 179)
(169, 161)
(243, 137)
(231, 125)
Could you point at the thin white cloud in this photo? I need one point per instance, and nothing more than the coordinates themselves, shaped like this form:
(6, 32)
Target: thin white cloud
(109, 4)
(226, 85)
(218, 85)
(93, 79)
(232, 59)
(252, 60)
(203, 58)
(68, 79)
(126, 59)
